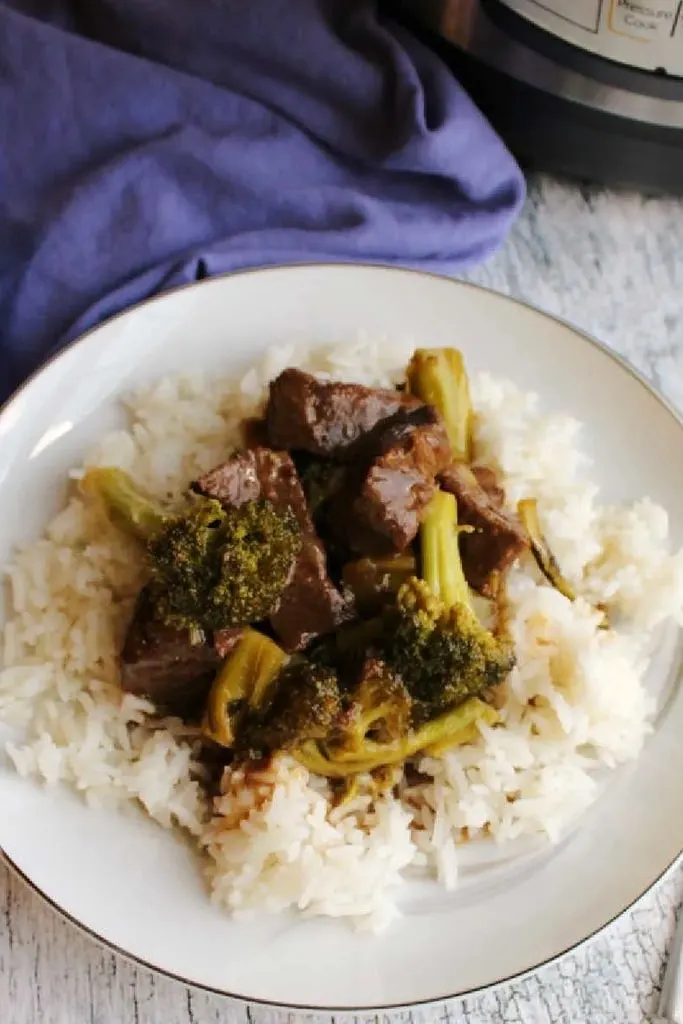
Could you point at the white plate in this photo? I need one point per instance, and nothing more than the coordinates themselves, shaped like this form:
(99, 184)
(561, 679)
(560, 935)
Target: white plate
(134, 886)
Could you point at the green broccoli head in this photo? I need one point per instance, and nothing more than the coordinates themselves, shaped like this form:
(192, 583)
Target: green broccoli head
(378, 710)
(374, 729)
(444, 655)
(306, 703)
(441, 655)
(242, 686)
(452, 728)
(215, 567)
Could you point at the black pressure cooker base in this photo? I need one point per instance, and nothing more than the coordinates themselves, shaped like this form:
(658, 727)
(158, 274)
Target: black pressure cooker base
(549, 133)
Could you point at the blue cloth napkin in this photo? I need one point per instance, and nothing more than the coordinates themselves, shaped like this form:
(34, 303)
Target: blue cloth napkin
(146, 143)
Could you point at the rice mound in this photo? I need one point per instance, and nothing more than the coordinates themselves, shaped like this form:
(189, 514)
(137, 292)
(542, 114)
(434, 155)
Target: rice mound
(574, 706)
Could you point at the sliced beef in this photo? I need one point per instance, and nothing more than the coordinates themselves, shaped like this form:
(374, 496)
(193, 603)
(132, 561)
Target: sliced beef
(310, 604)
(385, 498)
(498, 538)
(488, 481)
(160, 663)
(325, 417)
(257, 473)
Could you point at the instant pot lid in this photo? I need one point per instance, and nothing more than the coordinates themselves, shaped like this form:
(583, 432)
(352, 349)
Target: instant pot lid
(559, 108)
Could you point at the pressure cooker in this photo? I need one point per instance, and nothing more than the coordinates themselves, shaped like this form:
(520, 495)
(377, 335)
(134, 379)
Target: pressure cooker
(589, 88)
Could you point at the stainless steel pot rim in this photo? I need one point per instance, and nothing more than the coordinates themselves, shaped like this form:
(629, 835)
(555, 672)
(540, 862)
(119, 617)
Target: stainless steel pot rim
(475, 32)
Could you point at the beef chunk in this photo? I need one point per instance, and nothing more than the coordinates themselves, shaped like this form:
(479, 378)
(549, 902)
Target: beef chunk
(488, 481)
(310, 604)
(324, 417)
(254, 474)
(160, 663)
(498, 538)
(385, 499)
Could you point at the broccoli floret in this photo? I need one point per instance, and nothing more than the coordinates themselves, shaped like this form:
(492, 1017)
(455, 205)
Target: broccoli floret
(439, 646)
(378, 710)
(305, 704)
(215, 567)
(261, 702)
(430, 636)
(444, 655)
(450, 729)
(440, 652)
(243, 682)
(212, 567)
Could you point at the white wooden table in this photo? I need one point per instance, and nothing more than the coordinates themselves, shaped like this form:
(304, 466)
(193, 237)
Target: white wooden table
(51, 974)
(613, 265)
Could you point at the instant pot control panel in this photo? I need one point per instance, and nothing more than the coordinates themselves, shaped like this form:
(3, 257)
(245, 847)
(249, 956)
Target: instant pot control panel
(646, 35)
(587, 88)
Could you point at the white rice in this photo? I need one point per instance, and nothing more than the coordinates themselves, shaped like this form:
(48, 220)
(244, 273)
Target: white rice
(575, 705)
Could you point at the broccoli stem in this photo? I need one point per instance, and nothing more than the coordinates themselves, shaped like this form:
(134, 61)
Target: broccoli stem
(373, 580)
(440, 733)
(125, 505)
(441, 565)
(450, 729)
(311, 756)
(527, 510)
(454, 728)
(244, 678)
(438, 377)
